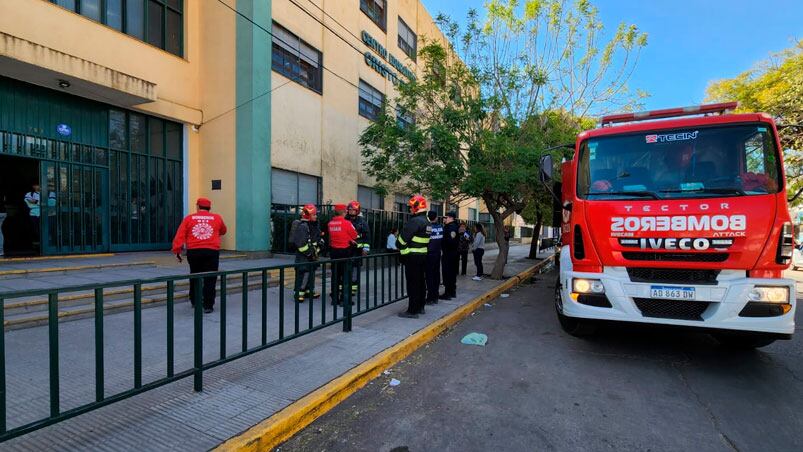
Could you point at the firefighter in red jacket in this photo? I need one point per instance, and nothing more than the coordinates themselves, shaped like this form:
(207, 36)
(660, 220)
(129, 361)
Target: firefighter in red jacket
(200, 233)
(342, 240)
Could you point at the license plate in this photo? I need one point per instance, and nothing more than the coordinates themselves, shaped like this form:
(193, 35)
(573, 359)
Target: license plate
(673, 292)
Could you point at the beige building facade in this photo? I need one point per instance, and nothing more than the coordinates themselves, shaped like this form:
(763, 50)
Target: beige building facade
(126, 111)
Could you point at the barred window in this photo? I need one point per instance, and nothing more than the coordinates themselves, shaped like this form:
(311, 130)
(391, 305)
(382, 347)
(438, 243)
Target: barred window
(297, 60)
(408, 41)
(164, 19)
(375, 9)
(371, 100)
(404, 118)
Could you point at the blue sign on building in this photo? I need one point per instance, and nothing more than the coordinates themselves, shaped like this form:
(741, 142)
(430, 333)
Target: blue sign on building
(64, 130)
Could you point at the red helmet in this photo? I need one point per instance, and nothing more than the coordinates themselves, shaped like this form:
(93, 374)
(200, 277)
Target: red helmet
(308, 211)
(354, 205)
(417, 204)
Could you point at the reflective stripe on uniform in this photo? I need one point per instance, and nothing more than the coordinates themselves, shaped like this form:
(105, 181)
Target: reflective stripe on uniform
(414, 250)
(417, 239)
(303, 248)
(401, 241)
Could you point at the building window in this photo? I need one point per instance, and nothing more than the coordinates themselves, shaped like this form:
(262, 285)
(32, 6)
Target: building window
(408, 41)
(437, 207)
(164, 19)
(401, 203)
(485, 217)
(369, 198)
(297, 60)
(145, 180)
(371, 100)
(289, 188)
(472, 214)
(375, 9)
(404, 118)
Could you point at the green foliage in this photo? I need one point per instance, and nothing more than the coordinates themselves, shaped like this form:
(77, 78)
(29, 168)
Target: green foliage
(490, 102)
(774, 87)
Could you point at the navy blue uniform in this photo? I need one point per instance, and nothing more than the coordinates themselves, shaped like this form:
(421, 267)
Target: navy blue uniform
(433, 268)
(450, 258)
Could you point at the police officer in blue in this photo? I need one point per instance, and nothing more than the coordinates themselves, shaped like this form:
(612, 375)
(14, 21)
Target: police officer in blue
(433, 267)
(451, 255)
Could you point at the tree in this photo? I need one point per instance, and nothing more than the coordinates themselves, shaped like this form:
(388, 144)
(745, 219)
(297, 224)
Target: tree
(775, 87)
(492, 98)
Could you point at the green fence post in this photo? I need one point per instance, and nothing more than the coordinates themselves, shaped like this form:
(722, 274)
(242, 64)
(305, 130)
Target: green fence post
(245, 311)
(137, 335)
(198, 362)
(223, 297)
(171, 290)
(2, 367)
(99, 390)
(53, 338)
(347, 296)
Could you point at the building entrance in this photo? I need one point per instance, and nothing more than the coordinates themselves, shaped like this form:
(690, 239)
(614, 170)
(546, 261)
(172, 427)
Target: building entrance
(111, 180)
(20, 231)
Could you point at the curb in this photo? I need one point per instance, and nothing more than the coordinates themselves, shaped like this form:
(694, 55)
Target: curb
(280, 427)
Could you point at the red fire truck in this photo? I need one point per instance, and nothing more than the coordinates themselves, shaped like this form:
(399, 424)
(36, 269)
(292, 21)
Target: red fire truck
(677, 217)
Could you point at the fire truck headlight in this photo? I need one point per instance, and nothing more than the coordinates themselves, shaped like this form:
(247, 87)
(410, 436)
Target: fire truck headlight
(769, 294)
(587, 286)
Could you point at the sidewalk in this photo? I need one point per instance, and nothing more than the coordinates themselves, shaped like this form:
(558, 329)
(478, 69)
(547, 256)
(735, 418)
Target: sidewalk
(236, 395)
(118, 267)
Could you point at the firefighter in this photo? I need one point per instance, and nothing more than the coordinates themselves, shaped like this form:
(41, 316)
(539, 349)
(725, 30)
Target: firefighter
(451, 255)
(342, 240)
(413, 243)
(200, 233)
(354, 215)
(306, 239)
(433, 268)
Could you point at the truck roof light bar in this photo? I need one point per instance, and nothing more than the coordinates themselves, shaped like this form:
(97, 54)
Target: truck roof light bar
(720, 108)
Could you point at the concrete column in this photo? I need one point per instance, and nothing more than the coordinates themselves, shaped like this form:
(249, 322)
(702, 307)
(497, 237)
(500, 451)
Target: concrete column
(253, 126)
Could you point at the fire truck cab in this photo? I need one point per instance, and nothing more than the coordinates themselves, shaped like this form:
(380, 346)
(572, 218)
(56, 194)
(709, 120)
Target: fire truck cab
(677, 217)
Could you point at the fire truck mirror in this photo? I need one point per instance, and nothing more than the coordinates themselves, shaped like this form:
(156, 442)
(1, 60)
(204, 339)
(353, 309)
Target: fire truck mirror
(546, 168)
(557, 206)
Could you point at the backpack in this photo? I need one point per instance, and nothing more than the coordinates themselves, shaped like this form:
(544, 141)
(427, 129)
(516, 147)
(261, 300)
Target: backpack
(291, 243)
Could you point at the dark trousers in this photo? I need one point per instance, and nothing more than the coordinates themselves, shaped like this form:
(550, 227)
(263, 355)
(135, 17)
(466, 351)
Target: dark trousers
(305, 277)
(478, 260)
(433, 276)
(464, 261)
(416, 282)
(355, 272)
(339, 273)
(202, 261)
(449, 262)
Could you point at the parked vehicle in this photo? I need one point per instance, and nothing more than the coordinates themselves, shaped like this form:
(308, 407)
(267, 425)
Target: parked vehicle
(680, 221)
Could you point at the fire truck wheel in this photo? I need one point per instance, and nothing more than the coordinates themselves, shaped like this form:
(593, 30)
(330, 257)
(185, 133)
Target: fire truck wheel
(743, 340)
(571, 325)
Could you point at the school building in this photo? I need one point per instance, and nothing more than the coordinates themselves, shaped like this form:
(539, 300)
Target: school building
(125, 111)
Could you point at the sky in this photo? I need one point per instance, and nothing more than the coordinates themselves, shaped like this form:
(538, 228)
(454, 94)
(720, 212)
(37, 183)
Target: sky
(691, 42)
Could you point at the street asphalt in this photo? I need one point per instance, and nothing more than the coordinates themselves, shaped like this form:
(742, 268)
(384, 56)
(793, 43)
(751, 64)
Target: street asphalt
(535, 388)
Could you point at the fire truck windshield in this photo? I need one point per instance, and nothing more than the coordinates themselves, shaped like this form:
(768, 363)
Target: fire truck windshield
(717, 161)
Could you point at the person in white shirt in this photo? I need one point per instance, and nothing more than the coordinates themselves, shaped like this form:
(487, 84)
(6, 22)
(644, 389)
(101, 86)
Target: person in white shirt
(32, 200)
(391, 243)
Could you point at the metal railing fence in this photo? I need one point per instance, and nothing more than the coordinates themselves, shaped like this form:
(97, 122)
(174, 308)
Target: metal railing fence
(265, 304)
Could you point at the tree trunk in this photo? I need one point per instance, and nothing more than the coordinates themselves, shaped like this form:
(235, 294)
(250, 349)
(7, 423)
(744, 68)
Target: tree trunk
(501, 258)
(539, 222)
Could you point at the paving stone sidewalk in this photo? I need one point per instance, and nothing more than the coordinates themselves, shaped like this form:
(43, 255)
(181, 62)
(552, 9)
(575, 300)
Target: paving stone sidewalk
(236, 395)
(161, 264)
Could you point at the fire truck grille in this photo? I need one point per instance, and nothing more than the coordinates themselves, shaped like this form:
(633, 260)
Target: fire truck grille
(673, 275)
(675, 257)
(671, 309)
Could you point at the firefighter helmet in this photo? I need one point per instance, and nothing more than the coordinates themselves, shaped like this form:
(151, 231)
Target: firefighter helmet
(308, 211)
(417, 204)
(354, 205)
